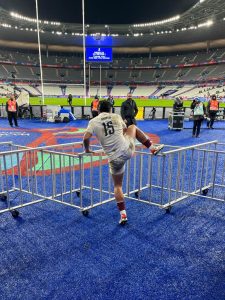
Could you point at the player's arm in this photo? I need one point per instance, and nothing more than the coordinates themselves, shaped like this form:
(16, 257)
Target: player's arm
(86, 142)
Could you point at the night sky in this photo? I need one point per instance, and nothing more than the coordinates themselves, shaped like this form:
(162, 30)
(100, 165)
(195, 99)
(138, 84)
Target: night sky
(100, 11)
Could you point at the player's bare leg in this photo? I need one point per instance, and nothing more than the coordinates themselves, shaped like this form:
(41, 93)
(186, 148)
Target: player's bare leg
(134, 132)
(118, 192)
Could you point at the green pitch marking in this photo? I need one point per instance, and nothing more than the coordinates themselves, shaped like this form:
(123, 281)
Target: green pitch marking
(80, 130)
(61, 161)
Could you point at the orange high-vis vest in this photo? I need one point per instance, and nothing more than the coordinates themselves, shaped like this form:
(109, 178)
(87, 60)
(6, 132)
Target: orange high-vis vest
(12, 105)
(214, 105)
(95, 105)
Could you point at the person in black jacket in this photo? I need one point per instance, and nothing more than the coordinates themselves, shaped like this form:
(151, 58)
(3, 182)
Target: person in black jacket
(70, 99)
(129, 111)
(112, 102)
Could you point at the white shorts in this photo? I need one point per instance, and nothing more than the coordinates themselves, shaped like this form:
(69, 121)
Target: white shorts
(117, 166)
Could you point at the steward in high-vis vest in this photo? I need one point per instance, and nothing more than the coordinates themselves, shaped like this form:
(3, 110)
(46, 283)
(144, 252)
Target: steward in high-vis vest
(212, 109)
(12, 109)
(94, 107)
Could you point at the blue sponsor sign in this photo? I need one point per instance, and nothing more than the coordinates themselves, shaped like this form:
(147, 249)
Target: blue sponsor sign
(98, 54)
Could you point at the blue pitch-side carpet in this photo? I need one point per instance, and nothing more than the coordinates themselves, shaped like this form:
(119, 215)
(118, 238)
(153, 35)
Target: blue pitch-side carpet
(53, 252)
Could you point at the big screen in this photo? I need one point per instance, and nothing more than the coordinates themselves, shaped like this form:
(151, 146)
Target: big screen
(97, 54)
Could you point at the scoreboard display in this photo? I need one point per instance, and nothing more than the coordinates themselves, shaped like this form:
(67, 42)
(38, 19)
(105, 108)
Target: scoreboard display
(99, 49)
(97, 54)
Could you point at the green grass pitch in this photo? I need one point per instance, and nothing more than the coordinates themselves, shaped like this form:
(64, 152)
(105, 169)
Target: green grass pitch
(118, 102)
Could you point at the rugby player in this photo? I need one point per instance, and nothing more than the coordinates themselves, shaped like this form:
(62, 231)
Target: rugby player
(118, 143)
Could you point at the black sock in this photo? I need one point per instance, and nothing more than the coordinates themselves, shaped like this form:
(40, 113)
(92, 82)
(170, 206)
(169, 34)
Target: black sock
(121, 206)
(147, 144)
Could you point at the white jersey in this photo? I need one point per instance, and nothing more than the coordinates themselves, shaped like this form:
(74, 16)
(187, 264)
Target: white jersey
(108, 128)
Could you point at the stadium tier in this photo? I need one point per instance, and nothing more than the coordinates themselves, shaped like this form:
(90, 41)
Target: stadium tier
(76, 59)
(140, 91)
(192, 68)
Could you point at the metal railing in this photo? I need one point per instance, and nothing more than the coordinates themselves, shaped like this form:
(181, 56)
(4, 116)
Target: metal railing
(64, 174)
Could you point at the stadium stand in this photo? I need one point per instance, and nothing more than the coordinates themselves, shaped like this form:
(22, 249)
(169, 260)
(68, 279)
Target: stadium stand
(161, 80)
(75, 90)
(144, 91)
(51, 90)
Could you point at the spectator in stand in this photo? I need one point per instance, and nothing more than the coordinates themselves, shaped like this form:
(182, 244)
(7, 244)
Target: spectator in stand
(212, 110)
(12, 110)
(129, 111)
(94, 107)
(199, 110)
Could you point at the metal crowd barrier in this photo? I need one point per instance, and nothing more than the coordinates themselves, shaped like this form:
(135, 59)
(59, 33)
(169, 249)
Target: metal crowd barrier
(33, 175)
(64, 174)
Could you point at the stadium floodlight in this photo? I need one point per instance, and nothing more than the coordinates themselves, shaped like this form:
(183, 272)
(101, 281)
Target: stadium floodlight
(173, 19)
(18, 16)
(21, 17)
(6, 25)
(206, 24)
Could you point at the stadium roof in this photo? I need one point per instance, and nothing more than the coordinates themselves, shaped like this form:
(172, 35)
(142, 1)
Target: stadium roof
(101, 11)
(199, 27)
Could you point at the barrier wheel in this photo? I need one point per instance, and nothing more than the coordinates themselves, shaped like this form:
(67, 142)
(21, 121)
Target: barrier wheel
(3, 197)
(136, 194)
(168, 209)
(78, 194)
(85, 213)
(205, 192)
(15, 213)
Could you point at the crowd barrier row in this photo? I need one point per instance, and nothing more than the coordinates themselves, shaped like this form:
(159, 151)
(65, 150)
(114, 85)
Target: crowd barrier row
(64, 174)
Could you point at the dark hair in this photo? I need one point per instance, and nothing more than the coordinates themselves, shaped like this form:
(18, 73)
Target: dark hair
(213, 97)
(104, 106)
